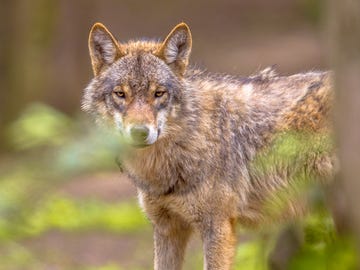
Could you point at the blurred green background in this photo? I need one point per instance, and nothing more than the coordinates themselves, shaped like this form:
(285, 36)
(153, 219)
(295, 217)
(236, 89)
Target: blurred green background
(64, 203)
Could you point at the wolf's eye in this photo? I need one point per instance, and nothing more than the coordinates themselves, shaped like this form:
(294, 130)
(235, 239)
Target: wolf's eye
(159, 93)
(120, 94)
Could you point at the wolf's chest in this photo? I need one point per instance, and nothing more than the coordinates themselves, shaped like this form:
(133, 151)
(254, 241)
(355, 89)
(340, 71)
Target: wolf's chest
(164, 171)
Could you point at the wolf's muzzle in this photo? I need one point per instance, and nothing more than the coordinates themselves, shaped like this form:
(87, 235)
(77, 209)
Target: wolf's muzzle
(139, 134)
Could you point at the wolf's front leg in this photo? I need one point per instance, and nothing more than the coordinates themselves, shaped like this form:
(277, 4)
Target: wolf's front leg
(219, 244)
(170, 238)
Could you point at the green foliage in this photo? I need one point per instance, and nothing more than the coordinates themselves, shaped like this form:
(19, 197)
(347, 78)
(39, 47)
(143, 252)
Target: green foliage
(323, 248)
(66, 214)
(14, 186)
(97, 150)
(251, 256)
(72, 145)
(293, 156)
(338, 255)
(39, 125)
(319, 228)
(53, 147)
(17, 257)
(292, 149)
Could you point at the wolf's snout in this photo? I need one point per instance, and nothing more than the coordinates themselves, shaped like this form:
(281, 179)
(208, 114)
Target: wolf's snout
(139, 134)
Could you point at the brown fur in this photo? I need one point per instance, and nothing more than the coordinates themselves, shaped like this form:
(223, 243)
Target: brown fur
(199, 166)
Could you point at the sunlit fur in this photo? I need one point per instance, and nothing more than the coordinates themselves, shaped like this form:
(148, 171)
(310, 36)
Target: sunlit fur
(216, 155)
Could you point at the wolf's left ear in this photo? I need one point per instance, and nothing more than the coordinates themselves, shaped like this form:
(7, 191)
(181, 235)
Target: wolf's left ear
(176, 48)
(103, 47)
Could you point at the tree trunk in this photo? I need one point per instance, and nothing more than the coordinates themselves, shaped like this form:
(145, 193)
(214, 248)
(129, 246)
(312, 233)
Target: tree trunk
(7, 9)
(344, 29)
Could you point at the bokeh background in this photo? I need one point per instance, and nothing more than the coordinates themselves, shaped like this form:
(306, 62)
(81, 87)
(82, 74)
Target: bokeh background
(64, 203)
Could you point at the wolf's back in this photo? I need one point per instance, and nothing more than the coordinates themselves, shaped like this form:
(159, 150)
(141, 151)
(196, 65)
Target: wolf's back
(312, 112)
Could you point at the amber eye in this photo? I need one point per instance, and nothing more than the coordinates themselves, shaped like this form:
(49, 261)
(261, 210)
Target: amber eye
(120, 94)
(159, 93)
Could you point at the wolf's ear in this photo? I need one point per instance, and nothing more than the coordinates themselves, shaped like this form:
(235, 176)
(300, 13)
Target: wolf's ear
(176, 48)
(103, 48)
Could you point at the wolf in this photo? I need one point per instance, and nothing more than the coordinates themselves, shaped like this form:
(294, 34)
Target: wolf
(209, 151)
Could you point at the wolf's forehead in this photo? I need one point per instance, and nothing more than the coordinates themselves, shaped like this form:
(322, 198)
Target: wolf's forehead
(141, 67)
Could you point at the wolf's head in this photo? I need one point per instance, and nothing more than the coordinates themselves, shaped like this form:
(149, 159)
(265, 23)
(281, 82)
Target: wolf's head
(137, 86)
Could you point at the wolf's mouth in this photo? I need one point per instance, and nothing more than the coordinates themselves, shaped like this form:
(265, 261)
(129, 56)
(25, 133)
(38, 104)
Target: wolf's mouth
(139, 145)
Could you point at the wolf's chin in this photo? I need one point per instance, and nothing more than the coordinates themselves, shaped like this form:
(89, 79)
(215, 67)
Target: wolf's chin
(140, 145)
(135, 144)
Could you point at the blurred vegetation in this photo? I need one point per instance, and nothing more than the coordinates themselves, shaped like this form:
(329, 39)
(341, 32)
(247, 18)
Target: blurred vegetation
(69, 215)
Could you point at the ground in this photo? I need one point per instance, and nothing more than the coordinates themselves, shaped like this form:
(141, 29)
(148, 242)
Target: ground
(57, 248)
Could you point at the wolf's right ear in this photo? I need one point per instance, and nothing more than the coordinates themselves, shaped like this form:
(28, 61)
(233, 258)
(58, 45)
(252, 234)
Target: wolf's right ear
(103, 48)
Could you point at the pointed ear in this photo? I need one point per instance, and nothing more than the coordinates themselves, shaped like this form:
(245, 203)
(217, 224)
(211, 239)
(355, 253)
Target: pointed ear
(103, 48)
(176, 48)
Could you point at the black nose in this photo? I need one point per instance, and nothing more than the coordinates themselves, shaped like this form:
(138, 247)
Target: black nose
(139, 134)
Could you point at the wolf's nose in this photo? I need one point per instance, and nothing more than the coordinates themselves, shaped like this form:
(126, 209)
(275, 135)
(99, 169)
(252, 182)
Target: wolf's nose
(139, 134)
